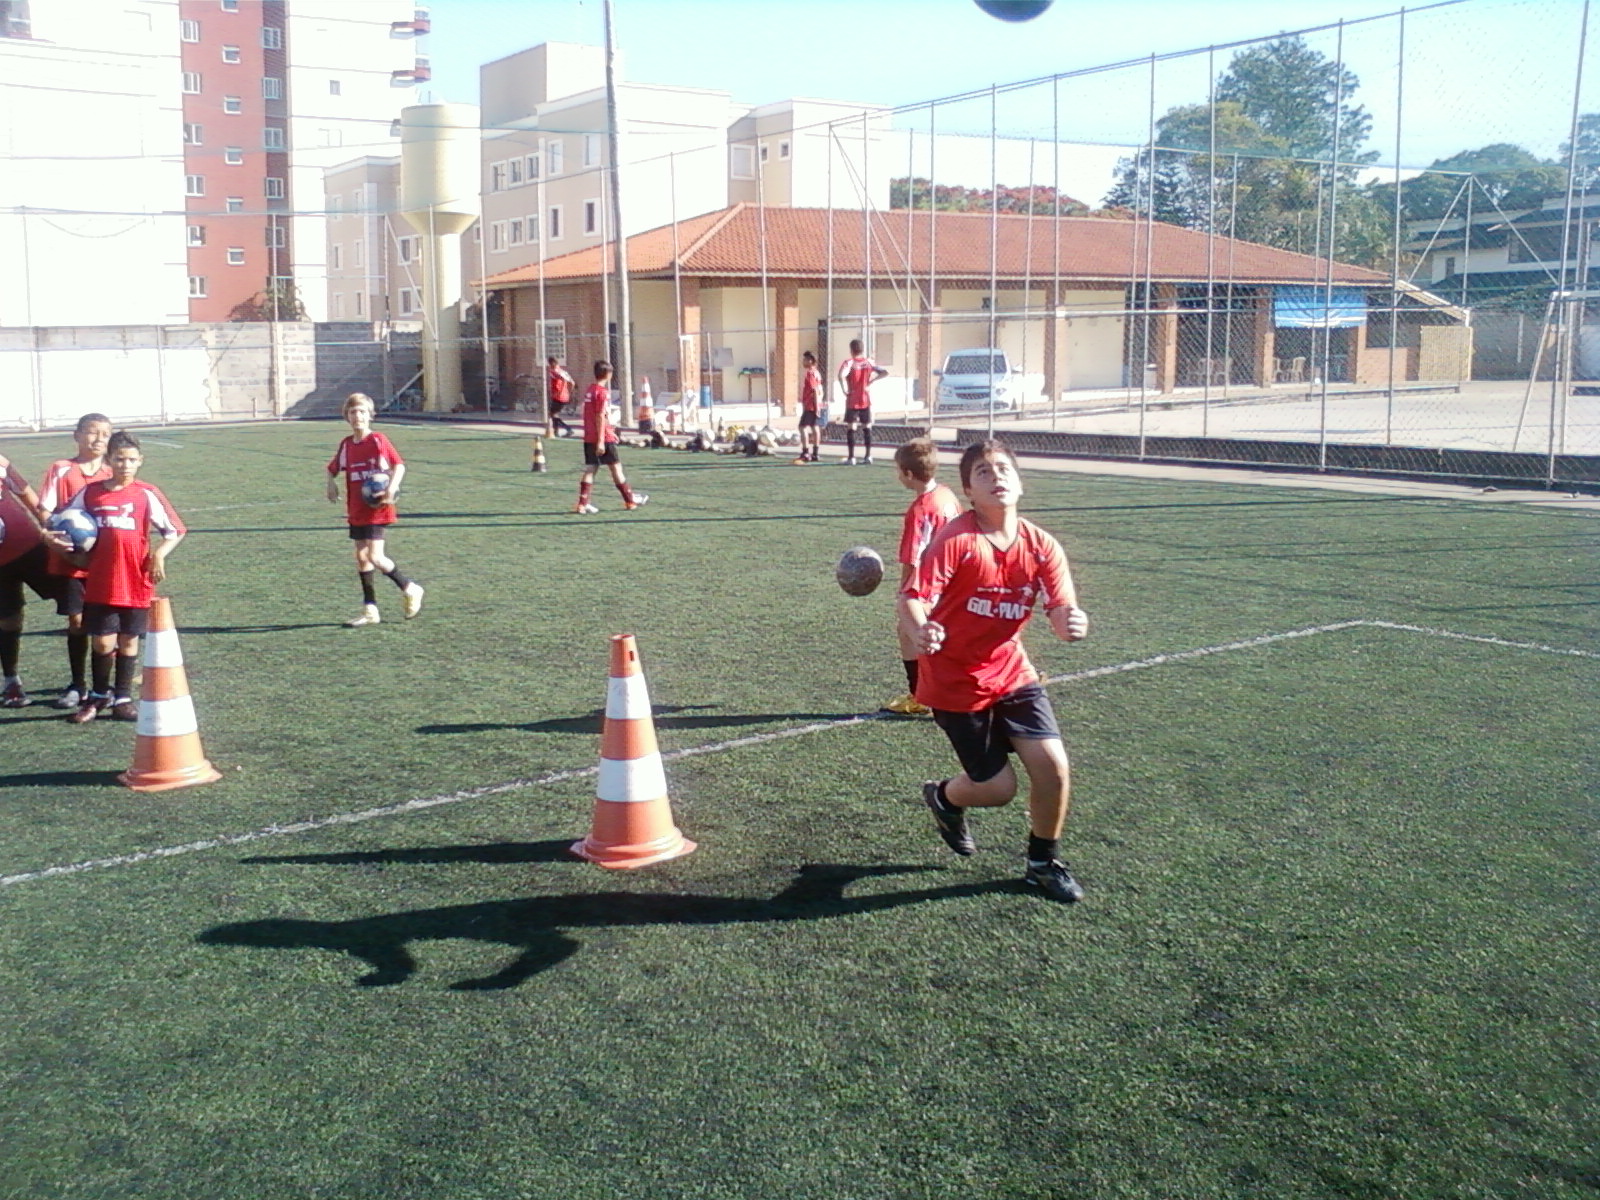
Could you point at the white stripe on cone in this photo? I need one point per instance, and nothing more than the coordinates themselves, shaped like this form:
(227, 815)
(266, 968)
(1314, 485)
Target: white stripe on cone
(631, 780)
(627, 698)
(167, 718)
(161, 649)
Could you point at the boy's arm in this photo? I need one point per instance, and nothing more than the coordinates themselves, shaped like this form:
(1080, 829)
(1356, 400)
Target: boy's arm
(395, 476)
(155, 565)
(1069, 622)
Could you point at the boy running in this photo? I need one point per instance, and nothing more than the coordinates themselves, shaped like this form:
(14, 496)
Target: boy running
(600, 445)
(123, 570)
(23, 560)
(64, 479)
(965, 613)
(560, 396)
(810, 404)
(364, 453)
(917, 461)
(856, 374)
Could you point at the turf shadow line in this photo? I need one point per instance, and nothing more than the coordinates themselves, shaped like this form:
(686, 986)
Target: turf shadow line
(593, 722)
(538, 927)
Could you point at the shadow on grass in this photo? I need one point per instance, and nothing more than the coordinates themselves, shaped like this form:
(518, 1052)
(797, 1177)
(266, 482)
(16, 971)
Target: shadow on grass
(536, 927)
(188, 629)
(61, 778)
(559, 850)
(593, 722)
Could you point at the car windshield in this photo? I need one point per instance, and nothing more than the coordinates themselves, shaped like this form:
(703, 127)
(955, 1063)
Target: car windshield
(976, 364)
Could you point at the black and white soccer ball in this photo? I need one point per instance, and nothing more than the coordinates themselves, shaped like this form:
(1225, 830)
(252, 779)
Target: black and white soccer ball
(78, 525)
(373, 486)
(860, 571)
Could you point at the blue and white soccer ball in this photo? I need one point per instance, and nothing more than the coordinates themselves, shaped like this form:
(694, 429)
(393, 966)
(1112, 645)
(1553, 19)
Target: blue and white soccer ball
(373, 486)
(77, 525)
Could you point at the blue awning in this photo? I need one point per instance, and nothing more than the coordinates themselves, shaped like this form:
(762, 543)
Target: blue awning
(1311, 308)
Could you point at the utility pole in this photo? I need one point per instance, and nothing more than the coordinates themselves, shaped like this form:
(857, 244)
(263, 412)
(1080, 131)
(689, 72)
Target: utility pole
(624, 362)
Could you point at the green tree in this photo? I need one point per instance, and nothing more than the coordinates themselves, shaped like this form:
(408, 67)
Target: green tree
(1587, 163)
(916, 192)
(278, 301)
(1299, 98)
(1502, 174)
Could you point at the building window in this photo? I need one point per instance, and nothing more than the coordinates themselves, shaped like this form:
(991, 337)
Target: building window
(194, 185)
(783, 149)
(591, 216)
(763, 152)
(271, 87)
(336, 257)
(230, 5)
(274, 187)
(335, 205)
(271, 37)
(555, 222)
(361, 304)
(197, 235)
(192, 134)
(233, 156)
(277, 236)
(497, 236)
(514, 236)
(197, 287)
(333, 88)
(272, 138)
(406, 250)
(554, 338)
(591, 149)
(230, 54)
(514, 172)
(355, 202)
(358, 253)
(742, 163)
(188, 31)
(497, 177)
(330, 137)
(232, 104)
(408, 301)
(191, 83)
(531, 162)
(554, 157)
(533, 228)
(236, 256)
(235, 204)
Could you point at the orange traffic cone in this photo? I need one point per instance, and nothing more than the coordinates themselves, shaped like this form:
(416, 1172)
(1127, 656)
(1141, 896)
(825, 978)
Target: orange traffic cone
(538, 455)
(167, 753)
(632, 817)
(647, 408)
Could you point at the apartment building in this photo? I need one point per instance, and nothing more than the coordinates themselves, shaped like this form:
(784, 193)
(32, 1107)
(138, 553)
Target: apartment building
(374, 257)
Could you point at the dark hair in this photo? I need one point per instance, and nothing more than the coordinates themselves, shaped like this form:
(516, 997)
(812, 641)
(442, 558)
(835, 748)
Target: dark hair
(919, 458)
(89, 419)
(122, 439)
(980, 450)
(855, 346)
(808, 357)
(602, 369)
(551, 360)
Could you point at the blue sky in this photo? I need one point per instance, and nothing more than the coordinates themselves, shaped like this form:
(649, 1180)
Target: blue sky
(1478, 72)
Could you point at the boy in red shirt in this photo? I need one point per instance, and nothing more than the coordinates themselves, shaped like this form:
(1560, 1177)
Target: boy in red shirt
(23, 560)
(364, 453)
(917, 461)
(965, 612)
(600, 445)
(560, 396)
(856, 374)
(124, 569)
(810, 405)
(64, 479)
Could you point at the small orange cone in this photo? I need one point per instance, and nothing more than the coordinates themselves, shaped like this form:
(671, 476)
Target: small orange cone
(167, 753)
(632, 816)
(538, 455)
(647, 408)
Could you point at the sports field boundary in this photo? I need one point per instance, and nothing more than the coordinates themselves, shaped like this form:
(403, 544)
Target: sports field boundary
(423, 804)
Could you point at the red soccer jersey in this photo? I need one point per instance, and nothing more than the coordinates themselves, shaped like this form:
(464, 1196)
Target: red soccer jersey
(560, 387)
(20, 529)
(64, 480)
(359, 459)
(811, 390)
(924, 518)
(858, 373)
(596, 428)
(983, 597)
(117, 573)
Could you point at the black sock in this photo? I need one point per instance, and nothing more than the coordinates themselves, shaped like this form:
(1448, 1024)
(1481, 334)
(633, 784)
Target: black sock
(101, 665)
(127, 668)
(399, 577)
(368, 596)
(866, 441)
(10, 645)
(1043, 849)
(910, 664)
(78, 659)
(850, 441)
(944, 797)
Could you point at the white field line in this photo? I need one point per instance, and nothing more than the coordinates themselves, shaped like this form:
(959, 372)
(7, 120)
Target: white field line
(755, 739)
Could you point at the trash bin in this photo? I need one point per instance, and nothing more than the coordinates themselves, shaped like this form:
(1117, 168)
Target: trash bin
(705, 395)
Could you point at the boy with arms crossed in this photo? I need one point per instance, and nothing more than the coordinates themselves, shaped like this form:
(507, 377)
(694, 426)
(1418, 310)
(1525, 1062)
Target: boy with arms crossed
(965, 612)
(600, 445)
(364, 453)
(64, 479)
(917, 461)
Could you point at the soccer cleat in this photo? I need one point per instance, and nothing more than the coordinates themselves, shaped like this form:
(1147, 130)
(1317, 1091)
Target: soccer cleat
(951, 822)
(14, 696)
(1054, 880)
(70, 698)
(639, 501)
(413, 594)
(90, 708)
(369, 616)
(801, 460)
(850, 462)
(908, 706)
(585, 509)
(867, 461)
(124, 710)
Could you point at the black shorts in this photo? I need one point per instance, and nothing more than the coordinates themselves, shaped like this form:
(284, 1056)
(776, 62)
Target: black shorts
(858, 416)
(99, 620)
(369, 533)
(808, 420)
(31, 568)
(593, 457)
(982, 739)
(69, 596)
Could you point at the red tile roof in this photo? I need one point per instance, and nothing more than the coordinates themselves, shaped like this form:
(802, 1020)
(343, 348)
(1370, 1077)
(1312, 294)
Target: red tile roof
(801, 242)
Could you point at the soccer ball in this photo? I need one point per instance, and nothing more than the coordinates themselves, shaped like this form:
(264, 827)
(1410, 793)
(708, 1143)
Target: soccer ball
(77, 525)
(860, 571)
(373, 486)
(1013, 10)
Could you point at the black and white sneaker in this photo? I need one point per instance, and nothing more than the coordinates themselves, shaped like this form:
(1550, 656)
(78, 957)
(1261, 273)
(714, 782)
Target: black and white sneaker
(950, 821)
(1054, 880)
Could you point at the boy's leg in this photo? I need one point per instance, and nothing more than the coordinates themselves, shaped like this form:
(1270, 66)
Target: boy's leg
(10, 651)
(366, 571)
(71, 606)
(985, 781)
(410, 588)
(586, 489)
(102, 662)
(850, 441)
(630, 498)
(127, 666)
(908, 703)
(1049, 788)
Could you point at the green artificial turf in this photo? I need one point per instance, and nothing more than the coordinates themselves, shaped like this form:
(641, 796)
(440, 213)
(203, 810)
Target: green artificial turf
(1338, 939)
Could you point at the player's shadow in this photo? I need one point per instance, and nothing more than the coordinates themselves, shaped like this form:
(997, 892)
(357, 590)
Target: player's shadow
(539, 928)
(263, 628)
(664, 718)
(61, 778)
(558, 850)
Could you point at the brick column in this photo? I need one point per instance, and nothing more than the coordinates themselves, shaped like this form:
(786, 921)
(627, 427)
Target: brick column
(1264, 341)
(689, 348)
(786, 349)
(1166, 339)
